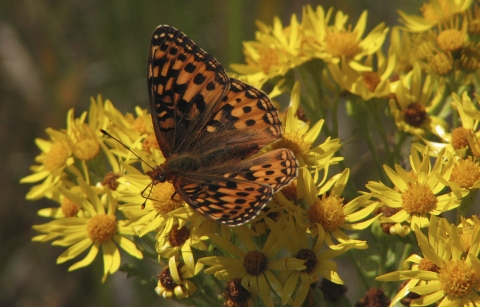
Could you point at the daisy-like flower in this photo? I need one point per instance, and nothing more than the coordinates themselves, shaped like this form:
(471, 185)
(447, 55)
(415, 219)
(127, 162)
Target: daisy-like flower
(173, 280)
(403, 46)
(368, 84)
(332, 42)
(55, 157)
(417, 193)
(413, 103)
(435, 12)
(299, 138)
(274, 52)
(254, 267)
(97, 229)
(447, 276)
(317, 261)
(457, 142)
(327, 211)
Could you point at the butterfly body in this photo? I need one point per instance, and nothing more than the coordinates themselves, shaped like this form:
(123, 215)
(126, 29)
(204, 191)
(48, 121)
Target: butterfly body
(208, 127)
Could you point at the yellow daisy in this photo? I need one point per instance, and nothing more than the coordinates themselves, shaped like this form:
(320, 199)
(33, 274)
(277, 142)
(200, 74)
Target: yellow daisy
(447, 276)
(55, 157)
(255, 266)
(173, 280)
(333, 41)
(413, 101)
(419, 193)
(98, 229)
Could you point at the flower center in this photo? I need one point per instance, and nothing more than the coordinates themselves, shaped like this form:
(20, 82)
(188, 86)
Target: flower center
(57, 156)
(440, 63)
(84, 144)
(161, 197)
(268, 58)
(450, 40)
(430, 12)
(418, 198)
(255, 262)
(343, 43)
(235, 294)
(294, 141)
(459, 137)
(415, 114)
(176, 237)
(102, 227)
(110, 180)
(310, 259)
(466, 173)
(328, 212)
(166, 279)
(427, 265)
(371, 80)
(69, 208)
(457, 278)
(150, 142)
(470, 57)
(139, 125)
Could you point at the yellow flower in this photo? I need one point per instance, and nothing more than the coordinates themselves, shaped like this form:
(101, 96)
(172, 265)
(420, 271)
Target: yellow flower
(274, 52)
(417, 193)
(317, 261)
(299, 138)
(404, 48)
(332, 42)
(256, 265)
(446, 275)
(436, 12)
(98, 229)
(326, 211)
(173, 280)
(56, 155)
(367, 84)
(413, 103)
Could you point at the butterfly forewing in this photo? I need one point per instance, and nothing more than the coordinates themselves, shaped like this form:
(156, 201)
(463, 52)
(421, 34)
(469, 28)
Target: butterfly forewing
(207, 126)
(184, 85)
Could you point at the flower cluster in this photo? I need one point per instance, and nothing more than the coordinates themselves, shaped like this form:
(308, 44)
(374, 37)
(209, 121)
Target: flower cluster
(386, 138)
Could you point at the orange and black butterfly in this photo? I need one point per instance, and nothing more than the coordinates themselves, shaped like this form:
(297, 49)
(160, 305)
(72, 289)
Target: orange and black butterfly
(208, 125)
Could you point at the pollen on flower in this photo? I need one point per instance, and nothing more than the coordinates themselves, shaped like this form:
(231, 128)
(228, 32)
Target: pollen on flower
(255, 262)
(418, 198)
(440, 63)
(235, 294)
(429, 12)
(83, 142)
(102, 227)
(343, 43)
(328, 212)
(310, 259)
(57, 156)
(177, 237)
(69, 208)
(371, 80)
(450, 40)
(149, 143)
(457, 278)
(415, 114)
(427, 265)
(161, 197)
(465, 173)
(459, 137)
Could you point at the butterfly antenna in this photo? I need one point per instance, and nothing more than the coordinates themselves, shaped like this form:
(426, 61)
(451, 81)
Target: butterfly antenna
(129, 149)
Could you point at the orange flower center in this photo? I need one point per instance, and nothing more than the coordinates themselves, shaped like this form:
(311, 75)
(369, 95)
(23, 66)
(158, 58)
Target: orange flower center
(465, 173)
(457, 278)
(57, 156)
(371, 80)
(328, 212)
(450, 40)
(161, 196)
(418, 198)
(150, 142)
(177, 237)
(69, 208)
(102, 227)
(427, 265)
(343, 43)
(440, 63)
(459, 137)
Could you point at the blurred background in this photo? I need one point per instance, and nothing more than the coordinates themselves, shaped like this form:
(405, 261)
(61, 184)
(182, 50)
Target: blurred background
(55, 55)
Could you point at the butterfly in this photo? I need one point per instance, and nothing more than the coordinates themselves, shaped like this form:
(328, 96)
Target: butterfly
(208, 126)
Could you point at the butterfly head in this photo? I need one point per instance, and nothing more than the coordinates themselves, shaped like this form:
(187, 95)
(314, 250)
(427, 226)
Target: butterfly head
(157, 174)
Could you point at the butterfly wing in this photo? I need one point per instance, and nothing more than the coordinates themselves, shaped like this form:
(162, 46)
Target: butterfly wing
(184, 86)
(234, 194)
